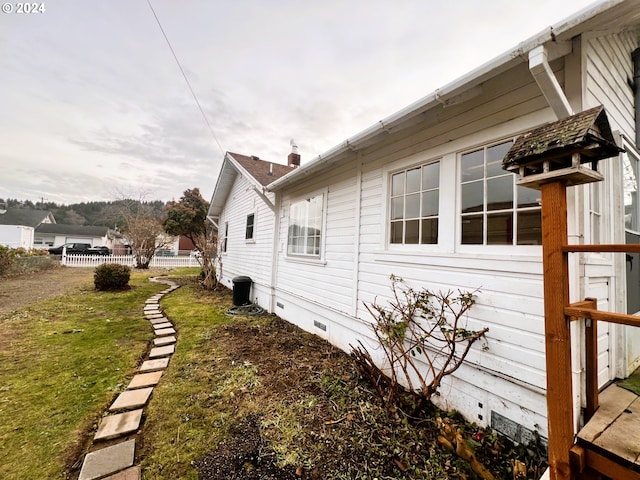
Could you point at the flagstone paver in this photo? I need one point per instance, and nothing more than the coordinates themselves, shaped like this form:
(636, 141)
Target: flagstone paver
(130, 399)
(108, 460)
(155, 321)
(162, 351)
(116, 461)
(165, 331)
(132, 473)
(160, 326)
(160, 341)
(117, 425)
(145, 380)
(153, 365)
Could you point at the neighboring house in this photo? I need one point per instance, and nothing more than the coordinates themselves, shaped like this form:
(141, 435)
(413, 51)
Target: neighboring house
(244, 214)
(18, 224)
(422, 195)
(53, 235)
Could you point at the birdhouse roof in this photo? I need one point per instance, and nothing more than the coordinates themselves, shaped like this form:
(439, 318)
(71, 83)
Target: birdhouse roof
(587, 133)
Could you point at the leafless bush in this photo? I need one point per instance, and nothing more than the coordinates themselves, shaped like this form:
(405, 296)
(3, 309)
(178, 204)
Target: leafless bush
(424, 338)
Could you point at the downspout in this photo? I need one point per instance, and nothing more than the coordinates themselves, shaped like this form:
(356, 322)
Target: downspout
(635, 55)
(275, 251)
(548, 83)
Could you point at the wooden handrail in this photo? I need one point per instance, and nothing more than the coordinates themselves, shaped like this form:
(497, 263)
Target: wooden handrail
(603, 248)
(577, 311)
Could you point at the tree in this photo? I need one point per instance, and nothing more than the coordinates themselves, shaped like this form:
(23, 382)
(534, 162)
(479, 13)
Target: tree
(188, 218)
(142, 228)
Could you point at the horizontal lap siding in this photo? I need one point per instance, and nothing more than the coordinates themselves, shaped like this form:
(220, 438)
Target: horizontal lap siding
(253, 259)
(509, 287)
(330, 282)
(609, 65)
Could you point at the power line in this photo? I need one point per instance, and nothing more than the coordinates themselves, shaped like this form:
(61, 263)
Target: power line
(204, 116)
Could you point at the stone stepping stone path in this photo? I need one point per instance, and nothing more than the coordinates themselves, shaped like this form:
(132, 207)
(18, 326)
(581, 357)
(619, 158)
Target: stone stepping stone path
(116, 462)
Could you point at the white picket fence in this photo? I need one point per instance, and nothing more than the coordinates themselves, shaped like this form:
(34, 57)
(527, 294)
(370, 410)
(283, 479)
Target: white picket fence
(129, 260)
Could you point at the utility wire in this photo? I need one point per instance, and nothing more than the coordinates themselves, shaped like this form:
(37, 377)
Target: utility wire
(204, 116)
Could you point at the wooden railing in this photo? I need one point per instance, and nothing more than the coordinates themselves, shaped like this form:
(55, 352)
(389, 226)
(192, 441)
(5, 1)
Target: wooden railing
(587, 310)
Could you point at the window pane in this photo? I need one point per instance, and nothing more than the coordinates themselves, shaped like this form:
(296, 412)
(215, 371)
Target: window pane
(430, 203)
(305, 227)
(412, 206)
(431, 176)
(472, 166)
(412, 231)
(413, 180)
(500, 193)
(397, 208)
(528, 197)
(500, 229)
(396, 232)
(530, 228)
(248, 235)
(630, 179)
(397, 184)
(472, 197)
(429, 231)
(495, 155)
(472, 227)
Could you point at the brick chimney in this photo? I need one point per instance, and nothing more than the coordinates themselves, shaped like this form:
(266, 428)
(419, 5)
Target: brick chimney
(293, 160)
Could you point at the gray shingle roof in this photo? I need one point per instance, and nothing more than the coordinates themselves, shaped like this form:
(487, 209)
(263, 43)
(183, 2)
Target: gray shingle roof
(587, 133)
(28, 217)
(61, 228)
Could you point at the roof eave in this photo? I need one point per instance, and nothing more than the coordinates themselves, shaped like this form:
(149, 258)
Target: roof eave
(560, 32)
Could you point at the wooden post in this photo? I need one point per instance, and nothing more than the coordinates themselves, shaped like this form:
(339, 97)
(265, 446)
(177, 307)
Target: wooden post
(557, 332)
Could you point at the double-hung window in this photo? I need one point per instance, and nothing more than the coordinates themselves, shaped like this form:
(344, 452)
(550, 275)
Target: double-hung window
(248, 233)
(494, 210)
(305, 227)
(415, 201)
(225, 236)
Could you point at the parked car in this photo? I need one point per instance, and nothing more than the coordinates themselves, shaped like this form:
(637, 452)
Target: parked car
(99, 250)
(72, 248)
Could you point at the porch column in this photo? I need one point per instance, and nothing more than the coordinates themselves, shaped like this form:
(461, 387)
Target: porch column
(557, 331)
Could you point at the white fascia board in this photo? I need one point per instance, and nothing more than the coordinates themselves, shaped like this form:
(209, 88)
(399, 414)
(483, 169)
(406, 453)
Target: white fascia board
(457, 87)
(220, 192)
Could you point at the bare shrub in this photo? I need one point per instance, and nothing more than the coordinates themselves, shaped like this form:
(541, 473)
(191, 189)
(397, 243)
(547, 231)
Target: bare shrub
(424, 338)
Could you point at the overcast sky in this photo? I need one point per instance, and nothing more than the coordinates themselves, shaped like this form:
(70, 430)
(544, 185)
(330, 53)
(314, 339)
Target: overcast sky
(93, 105)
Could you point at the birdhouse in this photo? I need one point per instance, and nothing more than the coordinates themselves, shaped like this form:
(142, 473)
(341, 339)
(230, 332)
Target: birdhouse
(564, 151)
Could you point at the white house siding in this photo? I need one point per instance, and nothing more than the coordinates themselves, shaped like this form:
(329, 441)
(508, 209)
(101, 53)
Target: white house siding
(608, 67)
(509, 378)
(328, 281)
(16, 236)
(245, 257)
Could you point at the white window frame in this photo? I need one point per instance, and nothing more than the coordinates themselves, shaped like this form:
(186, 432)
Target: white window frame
(634, 156)
(224, 241)
(304, 257)
(389, 198)
(252, 238)
(485, 247)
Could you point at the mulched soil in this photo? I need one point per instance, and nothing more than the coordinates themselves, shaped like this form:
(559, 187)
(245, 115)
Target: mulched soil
(346, 433)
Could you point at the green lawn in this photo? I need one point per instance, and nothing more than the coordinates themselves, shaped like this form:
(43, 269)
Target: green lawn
(62, 362)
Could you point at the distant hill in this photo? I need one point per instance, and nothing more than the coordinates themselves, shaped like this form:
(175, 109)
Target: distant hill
(99, 214)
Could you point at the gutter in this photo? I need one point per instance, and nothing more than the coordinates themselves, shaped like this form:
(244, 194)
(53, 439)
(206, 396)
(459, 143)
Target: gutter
(459, 89)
